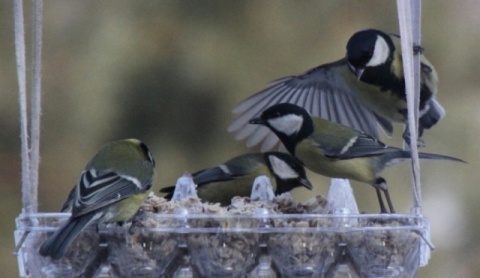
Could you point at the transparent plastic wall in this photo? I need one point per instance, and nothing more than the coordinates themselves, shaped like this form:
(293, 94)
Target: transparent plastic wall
(259, 245)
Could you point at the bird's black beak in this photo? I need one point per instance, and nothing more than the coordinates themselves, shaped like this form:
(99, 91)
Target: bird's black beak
(359, 73)
(306, 183)
(257, 121)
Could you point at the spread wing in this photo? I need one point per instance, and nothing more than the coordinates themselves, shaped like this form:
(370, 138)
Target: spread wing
(97, 189)
(323, 91)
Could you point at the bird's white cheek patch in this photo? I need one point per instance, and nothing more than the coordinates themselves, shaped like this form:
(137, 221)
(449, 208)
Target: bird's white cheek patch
(282, 169)
(380, 53)
(288, 124)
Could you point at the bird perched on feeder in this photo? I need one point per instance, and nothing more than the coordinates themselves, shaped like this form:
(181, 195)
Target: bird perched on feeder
(111, 189)
(335, 150)
(235, 177)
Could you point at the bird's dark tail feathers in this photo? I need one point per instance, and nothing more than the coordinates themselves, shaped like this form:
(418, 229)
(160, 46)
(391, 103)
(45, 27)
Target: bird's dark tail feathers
(392, 158)
(438, 157)
(56, 245)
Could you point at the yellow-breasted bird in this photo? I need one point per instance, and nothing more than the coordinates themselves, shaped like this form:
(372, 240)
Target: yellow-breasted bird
(362, 89)
(335, 150)
(235, 177)
(111, 189)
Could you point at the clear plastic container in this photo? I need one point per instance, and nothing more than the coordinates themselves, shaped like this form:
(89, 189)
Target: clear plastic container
(259, 245)
(82, 259)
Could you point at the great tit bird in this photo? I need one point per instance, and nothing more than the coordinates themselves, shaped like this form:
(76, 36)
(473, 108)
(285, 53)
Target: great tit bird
(335, 150)
(111, 189)
(235, 177)
(362, 89)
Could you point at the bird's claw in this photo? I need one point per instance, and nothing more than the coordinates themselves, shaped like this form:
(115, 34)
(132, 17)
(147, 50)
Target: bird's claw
(417, 49)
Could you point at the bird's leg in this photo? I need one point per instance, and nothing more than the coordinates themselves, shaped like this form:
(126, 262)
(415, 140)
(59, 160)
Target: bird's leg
(417, 49)
(426, 68)
(406, 137)
(383, 209)
(381, 184)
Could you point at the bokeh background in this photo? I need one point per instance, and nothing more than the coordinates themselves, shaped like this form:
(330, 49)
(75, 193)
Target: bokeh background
(170, 72)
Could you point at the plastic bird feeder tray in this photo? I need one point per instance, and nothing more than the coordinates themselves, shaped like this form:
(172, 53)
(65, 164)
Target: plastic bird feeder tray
(258, 245)
(186, 244)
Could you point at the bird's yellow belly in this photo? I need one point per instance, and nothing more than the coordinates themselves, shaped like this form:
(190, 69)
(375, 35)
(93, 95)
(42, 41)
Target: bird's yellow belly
(125, 209)
(223, 192)
(384, 103)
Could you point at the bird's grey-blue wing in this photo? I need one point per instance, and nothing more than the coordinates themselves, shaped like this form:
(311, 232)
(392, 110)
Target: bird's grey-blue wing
(323, 91)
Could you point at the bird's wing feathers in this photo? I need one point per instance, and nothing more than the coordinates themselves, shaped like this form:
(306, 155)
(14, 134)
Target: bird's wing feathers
(322, 91)
(202, 177)
(345, 143)
(363, 146)
(230, 170)
(199, 178)
(218, 173)
(98, 189)
(386, 124)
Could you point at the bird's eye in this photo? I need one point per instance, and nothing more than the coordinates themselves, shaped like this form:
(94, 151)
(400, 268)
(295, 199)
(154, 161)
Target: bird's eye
(370, 52)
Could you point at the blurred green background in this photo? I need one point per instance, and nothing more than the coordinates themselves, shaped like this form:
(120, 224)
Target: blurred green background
(170, 72)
